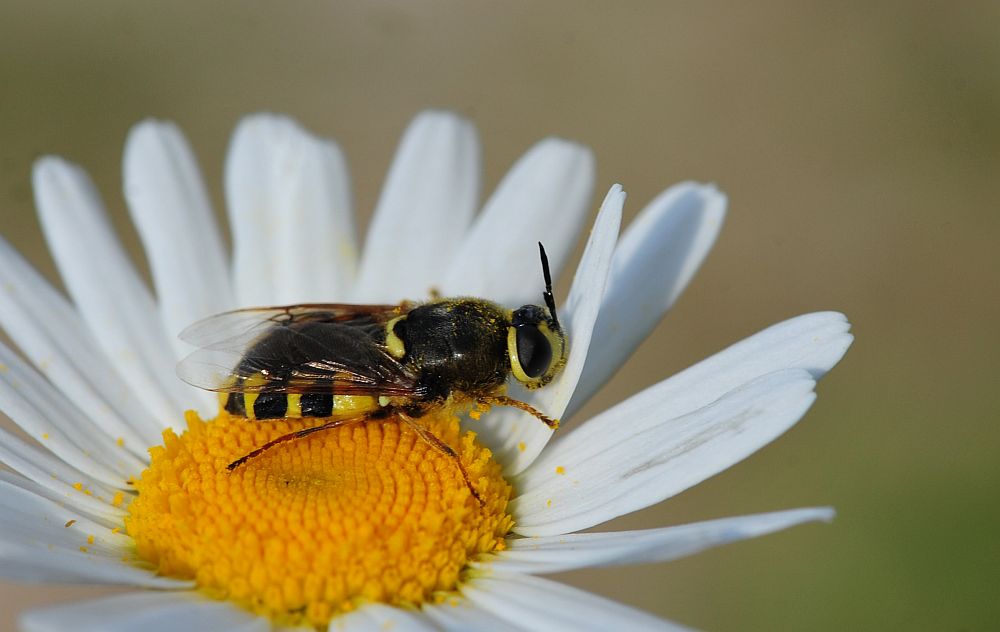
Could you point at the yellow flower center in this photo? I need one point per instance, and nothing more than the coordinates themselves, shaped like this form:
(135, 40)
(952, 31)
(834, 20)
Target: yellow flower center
(322, 524)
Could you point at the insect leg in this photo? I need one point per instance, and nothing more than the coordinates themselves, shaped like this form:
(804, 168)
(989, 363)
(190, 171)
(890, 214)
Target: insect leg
(291, 436)
(432, 440)
(503, 400)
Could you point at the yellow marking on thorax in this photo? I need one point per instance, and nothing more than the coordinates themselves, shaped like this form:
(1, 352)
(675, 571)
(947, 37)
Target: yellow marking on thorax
(393, 343)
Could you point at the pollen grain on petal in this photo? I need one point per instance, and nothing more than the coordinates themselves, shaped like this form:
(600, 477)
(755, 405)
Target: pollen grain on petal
(313, 528)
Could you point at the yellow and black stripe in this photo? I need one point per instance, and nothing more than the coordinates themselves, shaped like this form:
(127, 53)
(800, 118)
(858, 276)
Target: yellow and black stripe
(295, 405)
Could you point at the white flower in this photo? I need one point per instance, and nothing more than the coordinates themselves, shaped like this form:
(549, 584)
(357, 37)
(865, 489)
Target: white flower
(102, 386)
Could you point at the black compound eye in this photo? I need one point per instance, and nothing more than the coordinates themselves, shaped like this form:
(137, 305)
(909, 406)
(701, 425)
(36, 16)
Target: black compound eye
(534, 353)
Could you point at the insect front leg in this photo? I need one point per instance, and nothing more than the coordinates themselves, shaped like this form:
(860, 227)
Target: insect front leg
(503, 400)
(432, 440)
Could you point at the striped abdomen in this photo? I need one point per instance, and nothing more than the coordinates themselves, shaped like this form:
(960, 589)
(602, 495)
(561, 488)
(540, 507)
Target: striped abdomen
(280, 405)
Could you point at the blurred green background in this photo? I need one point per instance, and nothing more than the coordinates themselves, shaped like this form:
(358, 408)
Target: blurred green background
(859, 144)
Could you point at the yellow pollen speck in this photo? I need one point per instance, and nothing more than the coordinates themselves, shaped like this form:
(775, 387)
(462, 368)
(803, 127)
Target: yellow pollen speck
(83, 549)
(548, 503)
(120, 441)
(560, 470)
(90, 539)
(320, 525)
(116, 530)
(118, 499)
(69, 523)
(478, 409)
(45, 435)
(522, 446)
(78, 486)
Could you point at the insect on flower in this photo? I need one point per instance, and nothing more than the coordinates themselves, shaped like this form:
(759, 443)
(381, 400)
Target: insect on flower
(347, 364)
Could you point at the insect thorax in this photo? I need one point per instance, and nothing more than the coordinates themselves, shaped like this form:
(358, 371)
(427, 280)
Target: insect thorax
(457, 345)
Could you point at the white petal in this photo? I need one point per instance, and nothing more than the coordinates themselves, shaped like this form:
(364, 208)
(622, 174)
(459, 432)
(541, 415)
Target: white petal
(289, 195)
(426, 206)
(50, 333)
(48, 417)
(533, 603)
(32, 520)
(174, 219)
(376, 617)
(58, 479)
(570, 488)
(516, 437)
(26, 563)
(117, 307)
(813, 342)
(460, 615)
(149, 612)
(544, 197)
(656, 258)
(557, 553)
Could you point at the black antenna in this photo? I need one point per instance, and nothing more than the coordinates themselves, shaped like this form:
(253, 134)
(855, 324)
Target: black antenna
(550, 302)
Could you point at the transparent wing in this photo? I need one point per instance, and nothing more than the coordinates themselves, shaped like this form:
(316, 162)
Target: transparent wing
(251, 322)
(298, 349)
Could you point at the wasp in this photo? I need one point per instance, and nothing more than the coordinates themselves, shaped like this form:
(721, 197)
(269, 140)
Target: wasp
(347, 364)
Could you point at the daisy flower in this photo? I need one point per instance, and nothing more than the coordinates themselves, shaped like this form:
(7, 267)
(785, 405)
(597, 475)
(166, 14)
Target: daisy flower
(362, 527)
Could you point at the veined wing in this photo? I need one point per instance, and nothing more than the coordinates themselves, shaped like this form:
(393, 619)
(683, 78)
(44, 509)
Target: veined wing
(298, 349)
(222, 329)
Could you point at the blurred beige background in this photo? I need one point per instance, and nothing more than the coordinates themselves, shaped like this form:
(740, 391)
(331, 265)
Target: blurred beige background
(859, 144)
